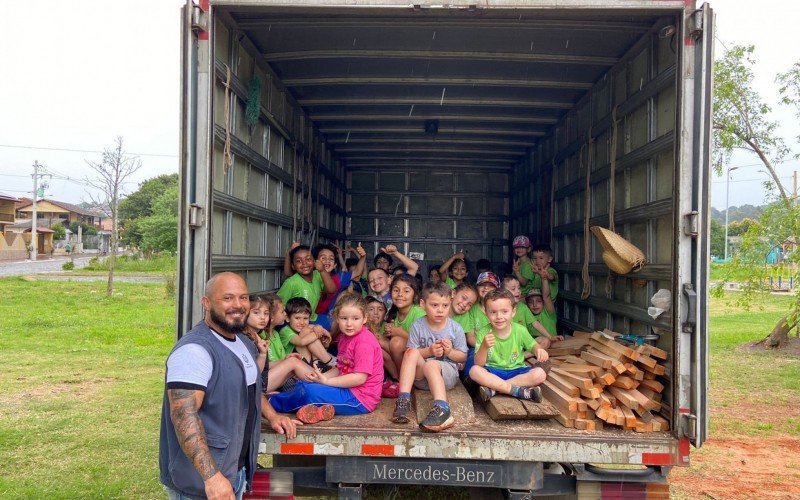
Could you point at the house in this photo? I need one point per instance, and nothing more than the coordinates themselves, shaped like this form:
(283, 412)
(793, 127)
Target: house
(49, 212)
(12, 245)
(19, 235)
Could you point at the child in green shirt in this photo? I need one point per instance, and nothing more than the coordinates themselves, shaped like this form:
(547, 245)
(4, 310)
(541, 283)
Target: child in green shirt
(376, 322)
(500, 353)
(454, 269)
(543, 310)
(310, 341)
(309, 281)
(402, 315)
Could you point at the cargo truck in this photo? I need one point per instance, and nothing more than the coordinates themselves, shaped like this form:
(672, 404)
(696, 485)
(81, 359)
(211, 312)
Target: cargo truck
(441, 127)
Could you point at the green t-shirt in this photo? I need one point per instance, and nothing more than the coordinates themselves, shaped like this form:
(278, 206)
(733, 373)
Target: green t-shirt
(450, 282)
(466, 320)
(277, 351)
(535, 281)
(524, 317)
(296, 286)
(286, 335)
(481, 321)
(414, 314)
(508, 353)
(548, 321)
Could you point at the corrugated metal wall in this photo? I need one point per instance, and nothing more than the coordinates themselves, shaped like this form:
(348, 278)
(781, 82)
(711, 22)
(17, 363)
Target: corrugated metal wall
(428, 210)
(254, 209)
(642, 89)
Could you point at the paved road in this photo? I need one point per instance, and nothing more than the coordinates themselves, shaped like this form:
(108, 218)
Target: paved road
(16, 268)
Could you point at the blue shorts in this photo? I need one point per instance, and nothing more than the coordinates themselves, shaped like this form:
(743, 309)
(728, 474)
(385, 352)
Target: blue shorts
(305, 393)
(469, 363)
(507, 374)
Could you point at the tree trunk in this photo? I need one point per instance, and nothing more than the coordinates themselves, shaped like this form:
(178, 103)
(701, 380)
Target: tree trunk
(112, 258)
(779, 335)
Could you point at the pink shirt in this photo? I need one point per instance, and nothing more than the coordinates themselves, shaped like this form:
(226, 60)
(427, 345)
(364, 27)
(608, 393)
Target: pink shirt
(361, 353)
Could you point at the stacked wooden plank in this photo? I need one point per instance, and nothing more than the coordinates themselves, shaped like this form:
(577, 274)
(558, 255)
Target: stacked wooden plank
(595, 380)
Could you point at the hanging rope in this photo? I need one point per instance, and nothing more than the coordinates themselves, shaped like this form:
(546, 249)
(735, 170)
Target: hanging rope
(587, 212)
(227, 157)
(295, 167)
(612, 196)
(552, 197)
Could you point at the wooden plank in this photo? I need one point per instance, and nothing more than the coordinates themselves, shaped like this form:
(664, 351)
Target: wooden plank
(565, 420)
(630, 418)
(644, 415)
(594, 359)
(592, 393)
(538, 411)
(505, 408)
(616, 346)
(662, 422)
(655, 370)
(655, 396)
(653, 351)
(575, 360)
(606, 378)
(647, 361)
(461, 407)
(579, 334)
(594, 404)
(653, 385)
(616, 364)
(625, 382)
(577, 381)
(644, 401)
(562, 383)
(565, 404)
(623, 397)
(587, 370)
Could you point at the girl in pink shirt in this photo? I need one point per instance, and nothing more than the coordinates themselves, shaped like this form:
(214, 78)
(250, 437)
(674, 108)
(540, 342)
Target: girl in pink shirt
(354, 386)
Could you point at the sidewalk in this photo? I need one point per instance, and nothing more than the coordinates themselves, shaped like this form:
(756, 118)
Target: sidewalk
(42, 265)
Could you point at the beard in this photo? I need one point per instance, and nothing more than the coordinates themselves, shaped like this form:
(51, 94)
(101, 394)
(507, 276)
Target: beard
(231, 326)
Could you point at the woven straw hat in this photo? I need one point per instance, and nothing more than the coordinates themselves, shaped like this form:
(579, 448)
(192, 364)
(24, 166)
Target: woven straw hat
(619, 254)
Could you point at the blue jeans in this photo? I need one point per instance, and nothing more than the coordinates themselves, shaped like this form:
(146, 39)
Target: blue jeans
(239, 485)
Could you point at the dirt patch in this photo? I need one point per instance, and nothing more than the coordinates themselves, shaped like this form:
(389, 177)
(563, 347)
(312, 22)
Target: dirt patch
(791, 347)
(77, 389)
(739, 467)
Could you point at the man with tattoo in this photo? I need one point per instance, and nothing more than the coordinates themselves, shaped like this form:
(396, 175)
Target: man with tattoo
(210, 418)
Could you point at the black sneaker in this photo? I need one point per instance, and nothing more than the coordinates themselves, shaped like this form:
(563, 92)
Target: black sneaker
(485, 393)
(323, 367)
(401, 408)
(438, 419)
(532, 393)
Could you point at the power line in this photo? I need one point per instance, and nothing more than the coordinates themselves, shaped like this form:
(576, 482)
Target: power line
(45, 148)
(751, 180)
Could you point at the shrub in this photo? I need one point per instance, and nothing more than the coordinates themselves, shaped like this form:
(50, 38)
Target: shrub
(68, 265)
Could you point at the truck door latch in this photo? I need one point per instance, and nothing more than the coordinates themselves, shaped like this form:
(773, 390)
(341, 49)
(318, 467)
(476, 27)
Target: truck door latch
(195, 216)
(694, 25)
(199, 19)
(690, 224)
(691, 311)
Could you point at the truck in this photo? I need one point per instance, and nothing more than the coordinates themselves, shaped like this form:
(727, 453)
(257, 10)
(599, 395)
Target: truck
(447, 126)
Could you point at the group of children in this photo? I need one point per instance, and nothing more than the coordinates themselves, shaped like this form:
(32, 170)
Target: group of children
(336, 343)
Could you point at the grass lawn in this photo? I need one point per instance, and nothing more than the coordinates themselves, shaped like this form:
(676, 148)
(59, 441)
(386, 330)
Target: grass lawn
(129, 264)
(81, 388)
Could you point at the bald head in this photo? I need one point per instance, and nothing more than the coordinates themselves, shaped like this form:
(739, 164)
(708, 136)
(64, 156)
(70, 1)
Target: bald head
(227, 301)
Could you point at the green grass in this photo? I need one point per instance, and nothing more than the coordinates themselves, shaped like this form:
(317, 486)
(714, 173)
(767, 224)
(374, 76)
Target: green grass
(81, 389)
(131, 264)
(746, 387)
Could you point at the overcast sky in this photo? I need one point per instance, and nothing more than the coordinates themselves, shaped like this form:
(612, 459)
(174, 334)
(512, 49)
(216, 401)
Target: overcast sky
(77, 74)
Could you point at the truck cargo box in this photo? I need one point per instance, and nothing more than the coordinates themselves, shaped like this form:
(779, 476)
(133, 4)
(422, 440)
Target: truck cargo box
(458, 126)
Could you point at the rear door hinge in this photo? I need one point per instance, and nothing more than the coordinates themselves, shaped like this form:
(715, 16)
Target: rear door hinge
(689, 425)
(199, 19)
(691, 310)
(691, 223)
(694, 25)
(196, 218)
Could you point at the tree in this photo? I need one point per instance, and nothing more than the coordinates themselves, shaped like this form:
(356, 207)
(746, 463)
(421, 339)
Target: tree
(110, 174)
(740, 121)
(160, 230)
(738, 228)
(149, 216)
(717, 239)
(59, 233)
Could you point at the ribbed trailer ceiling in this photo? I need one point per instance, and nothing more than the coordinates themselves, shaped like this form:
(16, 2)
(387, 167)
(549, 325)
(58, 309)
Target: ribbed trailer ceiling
(492, 83)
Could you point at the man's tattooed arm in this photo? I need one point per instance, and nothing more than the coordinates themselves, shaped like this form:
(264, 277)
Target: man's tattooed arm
(183, 410)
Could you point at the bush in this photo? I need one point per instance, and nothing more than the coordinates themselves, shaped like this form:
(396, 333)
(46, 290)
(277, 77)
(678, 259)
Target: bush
(68, 265)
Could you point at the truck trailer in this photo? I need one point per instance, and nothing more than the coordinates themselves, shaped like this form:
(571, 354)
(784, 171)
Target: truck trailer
(447, 126)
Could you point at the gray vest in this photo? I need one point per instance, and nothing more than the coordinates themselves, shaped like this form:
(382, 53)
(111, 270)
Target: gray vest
(223, 413)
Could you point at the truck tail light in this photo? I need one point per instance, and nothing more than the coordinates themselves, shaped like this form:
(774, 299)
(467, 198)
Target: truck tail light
(272, 484)
(623, 491)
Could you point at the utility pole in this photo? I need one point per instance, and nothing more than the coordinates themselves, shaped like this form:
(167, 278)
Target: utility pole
(727, 206)
(794, 187)
(34, 236)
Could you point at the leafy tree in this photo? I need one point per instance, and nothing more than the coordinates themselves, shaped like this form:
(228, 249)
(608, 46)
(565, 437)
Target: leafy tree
(740, 122)
(86, 231)
(717, 239)
(140, 203)
(738, 228)
(740, 117)
(59, 232)
(160, 230)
